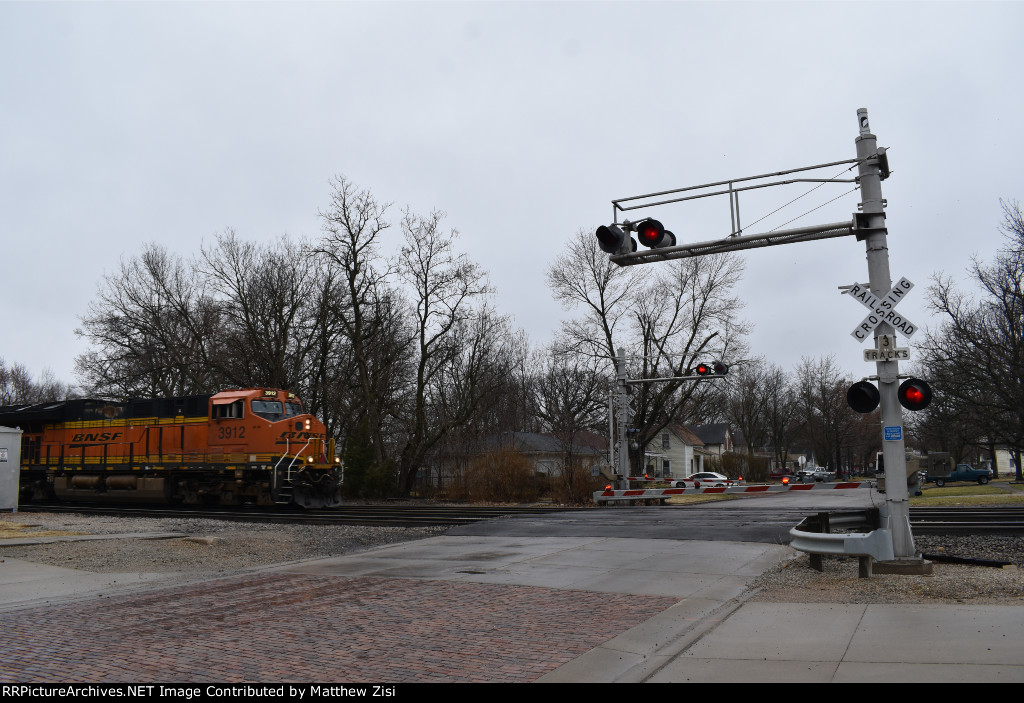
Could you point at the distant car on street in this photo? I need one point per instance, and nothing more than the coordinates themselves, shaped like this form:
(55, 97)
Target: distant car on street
(706, 479)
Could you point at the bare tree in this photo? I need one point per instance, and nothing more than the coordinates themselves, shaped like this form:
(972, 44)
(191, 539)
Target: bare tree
(267, 295)
(745, 406)
(668, 319)
(571, 398)
(367, 309)
(455, 339)
(828, 422)
(781, 413)
(989, 391)
(17, 387)
(154, 331)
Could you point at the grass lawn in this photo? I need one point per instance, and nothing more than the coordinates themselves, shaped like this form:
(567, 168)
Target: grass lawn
(998, 492)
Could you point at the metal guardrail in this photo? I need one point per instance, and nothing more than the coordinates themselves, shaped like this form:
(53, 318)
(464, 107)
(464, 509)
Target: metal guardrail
(814, 536)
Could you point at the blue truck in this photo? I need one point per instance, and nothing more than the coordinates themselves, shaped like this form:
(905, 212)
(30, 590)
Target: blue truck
(963, 472)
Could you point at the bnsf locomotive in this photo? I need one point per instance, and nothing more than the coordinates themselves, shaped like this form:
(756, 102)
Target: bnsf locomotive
(255, 446)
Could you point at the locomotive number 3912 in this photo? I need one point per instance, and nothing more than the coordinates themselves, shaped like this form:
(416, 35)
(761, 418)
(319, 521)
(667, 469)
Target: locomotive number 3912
(231, 432)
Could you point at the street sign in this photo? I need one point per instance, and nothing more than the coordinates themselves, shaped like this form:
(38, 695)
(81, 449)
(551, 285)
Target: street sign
(882, 309)
(893, 434)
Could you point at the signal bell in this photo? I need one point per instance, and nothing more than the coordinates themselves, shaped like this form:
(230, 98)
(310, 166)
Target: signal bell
(914, 394)
(863, 397)
(653, 234)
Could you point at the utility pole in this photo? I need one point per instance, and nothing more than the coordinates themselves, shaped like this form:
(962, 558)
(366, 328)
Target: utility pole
(872, 219)
(622, 418)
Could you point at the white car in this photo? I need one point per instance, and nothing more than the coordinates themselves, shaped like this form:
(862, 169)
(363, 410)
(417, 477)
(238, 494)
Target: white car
(706, 479)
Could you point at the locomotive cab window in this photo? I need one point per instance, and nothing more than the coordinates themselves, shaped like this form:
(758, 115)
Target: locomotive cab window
(294, 409)
(272, 410)
(224, 411)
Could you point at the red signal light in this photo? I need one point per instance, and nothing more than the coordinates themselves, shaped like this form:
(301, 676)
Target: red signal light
(914, 394)
(703, 369)
(653, 234)
(649, 232)
(785, 480)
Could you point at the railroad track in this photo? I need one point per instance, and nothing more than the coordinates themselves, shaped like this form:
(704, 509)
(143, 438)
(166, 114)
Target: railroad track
(399, 515)
(929, 521)
(968, 520)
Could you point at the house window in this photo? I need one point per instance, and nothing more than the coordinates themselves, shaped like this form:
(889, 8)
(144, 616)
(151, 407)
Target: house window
(666, 468)
(664, 441)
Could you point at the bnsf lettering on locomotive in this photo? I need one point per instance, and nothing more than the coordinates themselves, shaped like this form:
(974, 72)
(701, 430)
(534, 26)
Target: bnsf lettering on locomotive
(302, 435)
(95, 436)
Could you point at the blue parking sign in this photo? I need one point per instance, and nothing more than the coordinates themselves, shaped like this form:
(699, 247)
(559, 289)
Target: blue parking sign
(893, 433)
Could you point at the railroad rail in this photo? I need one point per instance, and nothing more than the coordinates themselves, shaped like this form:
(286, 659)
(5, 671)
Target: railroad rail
(923, 520)
(967, 520)
(398, 515)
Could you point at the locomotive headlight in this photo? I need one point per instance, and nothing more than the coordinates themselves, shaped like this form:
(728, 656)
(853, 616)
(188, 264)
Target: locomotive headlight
(309, 459)
(308, 425)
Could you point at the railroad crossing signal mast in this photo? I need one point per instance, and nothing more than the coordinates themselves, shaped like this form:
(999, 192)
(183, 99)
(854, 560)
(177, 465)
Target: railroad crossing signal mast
(868, 225)
(872, 170)
(621, 412)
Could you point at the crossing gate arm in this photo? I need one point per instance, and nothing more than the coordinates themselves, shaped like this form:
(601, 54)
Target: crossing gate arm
(633, 494)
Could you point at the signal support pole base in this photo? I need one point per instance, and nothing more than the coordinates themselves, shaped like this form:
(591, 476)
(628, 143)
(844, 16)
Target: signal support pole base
(914, 566)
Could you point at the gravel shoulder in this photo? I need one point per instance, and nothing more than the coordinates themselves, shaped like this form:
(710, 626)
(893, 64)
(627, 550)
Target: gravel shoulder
(796, 582)
(213, 548)
(208, 547)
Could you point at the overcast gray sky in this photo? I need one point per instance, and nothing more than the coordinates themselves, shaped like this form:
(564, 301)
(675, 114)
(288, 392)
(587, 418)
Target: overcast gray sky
(125, 123)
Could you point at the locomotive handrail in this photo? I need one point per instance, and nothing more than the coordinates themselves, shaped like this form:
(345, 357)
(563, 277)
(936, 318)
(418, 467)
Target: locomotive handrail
(287, 446)
(289, 475)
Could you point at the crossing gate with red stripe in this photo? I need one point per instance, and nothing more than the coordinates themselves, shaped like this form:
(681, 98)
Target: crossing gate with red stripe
(610, 495)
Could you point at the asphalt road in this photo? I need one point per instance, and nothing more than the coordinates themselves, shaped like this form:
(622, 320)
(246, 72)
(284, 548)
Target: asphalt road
(760, 518)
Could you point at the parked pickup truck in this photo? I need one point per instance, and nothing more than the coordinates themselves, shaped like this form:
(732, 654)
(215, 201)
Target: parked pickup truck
(962, 472)
(822, 474)
(815, 473)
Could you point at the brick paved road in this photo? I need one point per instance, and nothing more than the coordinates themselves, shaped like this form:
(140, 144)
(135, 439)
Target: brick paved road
(303, 629)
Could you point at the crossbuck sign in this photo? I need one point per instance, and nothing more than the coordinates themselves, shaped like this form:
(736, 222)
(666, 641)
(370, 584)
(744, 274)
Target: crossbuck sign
(882, 310)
